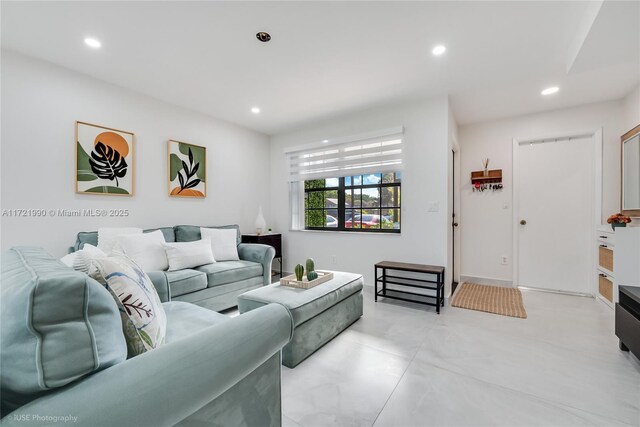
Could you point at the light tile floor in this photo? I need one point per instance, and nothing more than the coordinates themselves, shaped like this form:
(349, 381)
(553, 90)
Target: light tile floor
(403, 365)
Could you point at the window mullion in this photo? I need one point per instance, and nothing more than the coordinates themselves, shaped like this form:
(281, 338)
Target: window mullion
(341, 201)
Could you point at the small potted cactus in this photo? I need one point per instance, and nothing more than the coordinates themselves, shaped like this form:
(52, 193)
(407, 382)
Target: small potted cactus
(311, 266)
(311, 270)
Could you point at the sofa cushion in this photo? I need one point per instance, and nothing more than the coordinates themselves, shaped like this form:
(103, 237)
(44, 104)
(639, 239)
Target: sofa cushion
(224, 272)
(146, 249)
(143, 319)
(108, 236)
(92, 236)
(186, 281)
(183, 255)
(56, 326)
(223, 243)
(189, 233)
(82, 258)
(184, 319)
(304, 304)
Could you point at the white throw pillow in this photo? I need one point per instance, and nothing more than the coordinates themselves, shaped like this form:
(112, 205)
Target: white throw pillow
(146, 249)
(144, 321)
(108, 236)
(84, 257)
(69, 259)
(223, 242)
(183, 255)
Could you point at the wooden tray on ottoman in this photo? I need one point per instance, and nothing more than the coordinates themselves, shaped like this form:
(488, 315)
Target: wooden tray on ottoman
(323, 276)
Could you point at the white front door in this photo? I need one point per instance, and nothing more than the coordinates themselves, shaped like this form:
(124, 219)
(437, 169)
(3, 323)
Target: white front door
(555, 203)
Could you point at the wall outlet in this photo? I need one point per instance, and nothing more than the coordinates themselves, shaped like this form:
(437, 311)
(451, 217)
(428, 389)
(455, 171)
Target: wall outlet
(334, 260)
(504, 260)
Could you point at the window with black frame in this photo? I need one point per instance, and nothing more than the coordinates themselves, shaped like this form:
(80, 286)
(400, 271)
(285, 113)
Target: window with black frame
(362, 203)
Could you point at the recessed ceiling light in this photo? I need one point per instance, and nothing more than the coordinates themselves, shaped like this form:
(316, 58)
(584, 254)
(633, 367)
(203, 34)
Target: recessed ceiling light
(550, 90)
(255, 110)
(324, 141)
(92, 43)
(263, 36)
(439, 50)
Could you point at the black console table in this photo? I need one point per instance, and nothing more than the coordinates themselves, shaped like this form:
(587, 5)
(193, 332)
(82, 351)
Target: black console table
(628, 319)
(388, 279)
(274, 240)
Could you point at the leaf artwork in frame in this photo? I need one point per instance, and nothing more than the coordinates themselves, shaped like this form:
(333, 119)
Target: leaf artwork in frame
(107, 163)
(187, 169)
(104, 160)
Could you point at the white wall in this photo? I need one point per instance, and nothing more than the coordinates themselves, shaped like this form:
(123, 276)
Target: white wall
(40, 104)
(486, 218)
(424, 180)
(631, 105)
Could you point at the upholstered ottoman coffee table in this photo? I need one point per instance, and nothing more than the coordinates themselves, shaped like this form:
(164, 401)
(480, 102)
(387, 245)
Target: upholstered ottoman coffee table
(319, 313)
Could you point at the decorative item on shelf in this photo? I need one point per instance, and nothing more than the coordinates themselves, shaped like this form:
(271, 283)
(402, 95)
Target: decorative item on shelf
(104, 160)
(492, 180)
(270, 230)
(187, 169)
(299, 270)
(485, 163)
(618, 220)
(482, 187)
(260, 224)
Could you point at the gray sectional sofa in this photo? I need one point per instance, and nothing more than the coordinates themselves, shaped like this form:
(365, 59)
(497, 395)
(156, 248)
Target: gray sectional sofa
(64, 356)
(213, 286)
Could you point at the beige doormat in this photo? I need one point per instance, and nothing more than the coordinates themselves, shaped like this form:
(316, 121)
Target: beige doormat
(492, 299)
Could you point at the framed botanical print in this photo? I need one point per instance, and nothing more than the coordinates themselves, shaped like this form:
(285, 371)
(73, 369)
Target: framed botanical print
(104, 160)
(187, 169)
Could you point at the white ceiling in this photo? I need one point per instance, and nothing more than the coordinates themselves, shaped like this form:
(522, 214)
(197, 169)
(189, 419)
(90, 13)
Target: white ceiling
(330, 58)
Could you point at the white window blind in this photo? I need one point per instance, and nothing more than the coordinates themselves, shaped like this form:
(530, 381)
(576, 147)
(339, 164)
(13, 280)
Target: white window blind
(296, 205)
(376, 152)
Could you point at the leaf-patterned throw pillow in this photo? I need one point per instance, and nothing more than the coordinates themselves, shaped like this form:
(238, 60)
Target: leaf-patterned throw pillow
(144, 322)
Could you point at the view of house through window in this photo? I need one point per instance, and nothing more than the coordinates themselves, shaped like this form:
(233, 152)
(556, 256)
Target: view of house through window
(368, 202)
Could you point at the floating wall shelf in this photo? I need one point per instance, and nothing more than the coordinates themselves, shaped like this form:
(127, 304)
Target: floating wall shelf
(495, 176)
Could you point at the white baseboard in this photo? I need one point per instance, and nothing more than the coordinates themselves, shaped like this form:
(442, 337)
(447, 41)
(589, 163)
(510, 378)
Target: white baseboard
(487, 281)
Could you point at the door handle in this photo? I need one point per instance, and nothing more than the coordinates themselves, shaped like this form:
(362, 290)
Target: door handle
(523, 222)
(455, 224)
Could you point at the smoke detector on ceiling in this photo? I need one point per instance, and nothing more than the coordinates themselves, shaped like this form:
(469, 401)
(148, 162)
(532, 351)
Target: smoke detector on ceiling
(263, 37)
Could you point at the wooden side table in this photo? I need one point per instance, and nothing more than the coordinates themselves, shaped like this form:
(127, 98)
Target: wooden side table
(271, 239)
(430, 270)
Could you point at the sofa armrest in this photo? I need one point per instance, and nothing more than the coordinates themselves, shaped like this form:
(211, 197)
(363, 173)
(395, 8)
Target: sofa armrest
(262, 254)
(159, 280)
(166, 385)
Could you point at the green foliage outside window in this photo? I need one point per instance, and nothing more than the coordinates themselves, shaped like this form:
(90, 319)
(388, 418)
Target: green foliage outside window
(314, 203)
